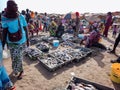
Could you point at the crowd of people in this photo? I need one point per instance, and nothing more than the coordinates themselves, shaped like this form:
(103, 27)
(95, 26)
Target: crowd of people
(31, 23)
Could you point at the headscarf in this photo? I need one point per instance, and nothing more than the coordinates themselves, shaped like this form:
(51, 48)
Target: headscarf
(53, 23)
(77, 14)
(11, 10)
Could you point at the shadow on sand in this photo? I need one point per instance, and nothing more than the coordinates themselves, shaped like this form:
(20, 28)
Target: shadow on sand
(116, 86)
(99, 60)
(50, 74)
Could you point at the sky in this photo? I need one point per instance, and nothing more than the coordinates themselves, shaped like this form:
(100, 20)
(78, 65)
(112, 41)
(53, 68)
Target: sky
(66, 6)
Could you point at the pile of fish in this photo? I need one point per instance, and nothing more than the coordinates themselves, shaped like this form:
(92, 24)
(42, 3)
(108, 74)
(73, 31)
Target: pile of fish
(81, 86)
(51, 63)
(55, 59)
(35, 40)
(58, 58)
(67, 37)
(68, 44)
(86, 51)
(50, 40)
(45, 38)
(33, 54)
(75, 53)
(62, 56)
(43, 47)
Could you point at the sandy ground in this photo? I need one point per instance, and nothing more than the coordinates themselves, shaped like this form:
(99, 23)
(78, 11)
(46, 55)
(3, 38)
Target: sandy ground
(95, 68)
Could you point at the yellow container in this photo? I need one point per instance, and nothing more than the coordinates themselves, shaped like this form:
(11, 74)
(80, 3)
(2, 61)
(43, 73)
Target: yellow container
(115, 73)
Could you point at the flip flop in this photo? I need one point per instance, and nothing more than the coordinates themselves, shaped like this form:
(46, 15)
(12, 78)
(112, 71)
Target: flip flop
(20, 75)
(111, 51)
(13, 88)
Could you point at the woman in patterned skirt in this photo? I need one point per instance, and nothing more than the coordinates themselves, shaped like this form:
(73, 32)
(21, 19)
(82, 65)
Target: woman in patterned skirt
(12, 21)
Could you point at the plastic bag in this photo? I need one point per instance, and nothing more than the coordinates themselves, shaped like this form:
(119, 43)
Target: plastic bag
(6, 52)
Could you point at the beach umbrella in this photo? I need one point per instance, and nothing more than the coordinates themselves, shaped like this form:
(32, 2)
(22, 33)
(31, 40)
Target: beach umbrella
(70, 15)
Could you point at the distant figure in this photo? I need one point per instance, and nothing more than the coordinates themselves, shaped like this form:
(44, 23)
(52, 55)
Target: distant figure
(77, 22)
(28, 17)
(91, 39)
(114, 31)
(116, 44)
(74, 27)
(108, 23)
(53, 28)
(32, 28)
(23, 13)
(45, 22)
(60, 30)
(32, 15)
(101, 27)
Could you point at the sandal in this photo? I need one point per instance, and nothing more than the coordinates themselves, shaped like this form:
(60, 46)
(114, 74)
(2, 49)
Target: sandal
(20, 75)
(12, 88)
(113, 61)
(112, 52)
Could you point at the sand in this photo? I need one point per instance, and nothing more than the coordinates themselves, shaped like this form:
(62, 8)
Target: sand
(95, 68)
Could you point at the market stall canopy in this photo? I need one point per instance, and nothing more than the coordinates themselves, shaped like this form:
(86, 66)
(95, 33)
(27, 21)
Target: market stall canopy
(116, 20)
(92, 18)
(71, 15)
(116, 13)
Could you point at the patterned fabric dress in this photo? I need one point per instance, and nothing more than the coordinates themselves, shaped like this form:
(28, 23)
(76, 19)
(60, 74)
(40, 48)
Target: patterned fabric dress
(17, 52)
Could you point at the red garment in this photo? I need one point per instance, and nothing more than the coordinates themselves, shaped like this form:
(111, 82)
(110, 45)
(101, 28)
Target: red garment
(77, 14)
(107, 25)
